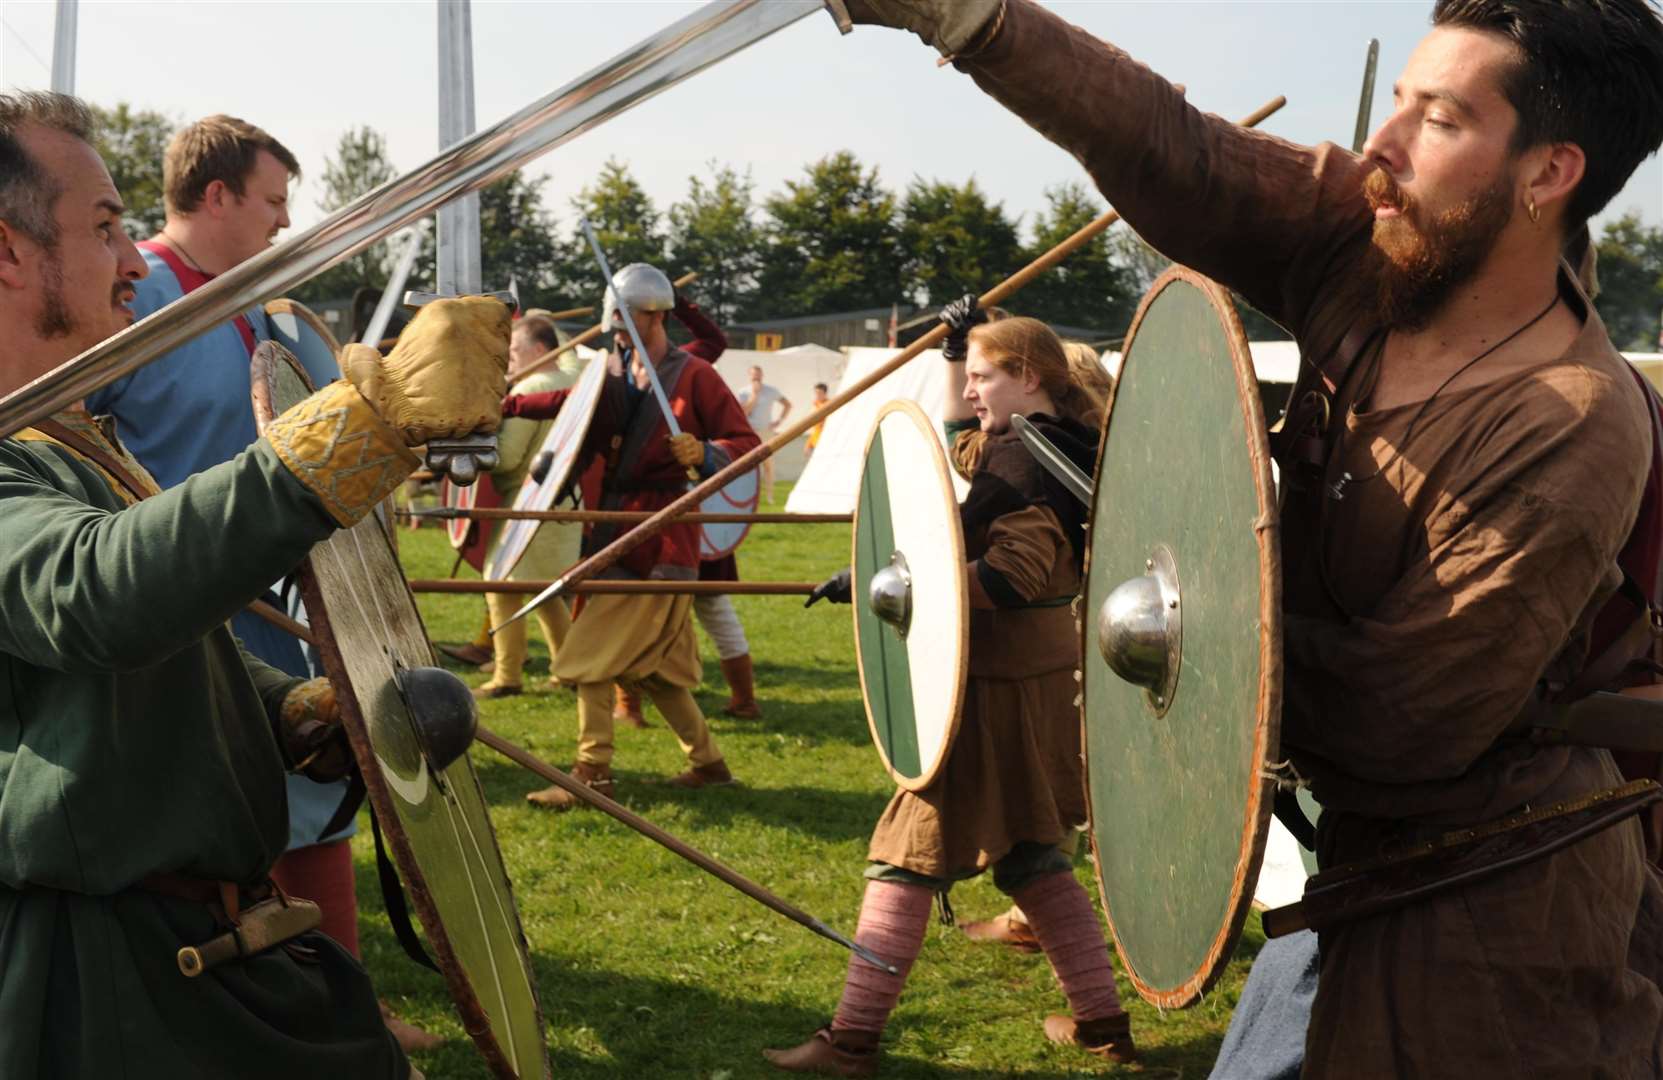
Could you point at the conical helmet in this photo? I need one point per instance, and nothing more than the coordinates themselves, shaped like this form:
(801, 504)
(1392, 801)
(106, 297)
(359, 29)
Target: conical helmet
(644, 287)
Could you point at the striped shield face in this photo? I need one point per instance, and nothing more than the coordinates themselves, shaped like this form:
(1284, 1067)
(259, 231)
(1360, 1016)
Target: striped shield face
(910, 602)
(562, 444)
(1181, 644)
(719, 539)
(370, 637)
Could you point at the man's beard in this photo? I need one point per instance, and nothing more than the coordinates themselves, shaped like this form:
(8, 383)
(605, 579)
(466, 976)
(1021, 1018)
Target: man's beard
(1415, 265)
(54, 319)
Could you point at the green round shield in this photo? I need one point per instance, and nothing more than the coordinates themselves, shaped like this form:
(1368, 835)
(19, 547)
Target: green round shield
(370, 635)
(1181, 641)
(911, 604)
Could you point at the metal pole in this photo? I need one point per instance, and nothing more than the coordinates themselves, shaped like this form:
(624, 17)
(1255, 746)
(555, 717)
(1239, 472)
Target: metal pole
(63, 47)
(704, 862)
(684, 48)
(458, 268)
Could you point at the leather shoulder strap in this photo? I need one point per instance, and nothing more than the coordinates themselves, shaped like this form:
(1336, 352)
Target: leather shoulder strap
(80, 444)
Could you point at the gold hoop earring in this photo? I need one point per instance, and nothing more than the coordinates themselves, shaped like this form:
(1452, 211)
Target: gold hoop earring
(1530, 208)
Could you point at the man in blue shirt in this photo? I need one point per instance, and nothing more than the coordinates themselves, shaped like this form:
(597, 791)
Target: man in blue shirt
(226, 187)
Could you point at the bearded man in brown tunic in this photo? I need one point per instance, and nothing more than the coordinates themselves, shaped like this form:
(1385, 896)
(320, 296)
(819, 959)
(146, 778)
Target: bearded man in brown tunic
(1480, 468)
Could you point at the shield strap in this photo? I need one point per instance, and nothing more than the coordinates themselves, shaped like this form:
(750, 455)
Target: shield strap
(398, 909)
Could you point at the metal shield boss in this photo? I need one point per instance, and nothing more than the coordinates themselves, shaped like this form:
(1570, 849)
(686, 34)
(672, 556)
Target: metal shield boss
(910, 600)
(1181, 641)
(562, 444)
(409, 725)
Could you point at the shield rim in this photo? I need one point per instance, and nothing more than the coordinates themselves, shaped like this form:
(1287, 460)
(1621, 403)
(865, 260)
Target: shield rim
(960, 685)
(747, 507)
(494, 570)
(472, 1014)
(1267, 723)
(284, 305)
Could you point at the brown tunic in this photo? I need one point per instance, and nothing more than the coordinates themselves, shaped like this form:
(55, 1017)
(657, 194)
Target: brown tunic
(1014, 773)
(1462, 570)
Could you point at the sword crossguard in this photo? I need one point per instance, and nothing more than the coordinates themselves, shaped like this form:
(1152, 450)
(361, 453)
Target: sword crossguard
(462, 460)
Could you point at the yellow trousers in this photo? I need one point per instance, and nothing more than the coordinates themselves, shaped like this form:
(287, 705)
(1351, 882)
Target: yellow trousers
(675, 704)
(509, 643)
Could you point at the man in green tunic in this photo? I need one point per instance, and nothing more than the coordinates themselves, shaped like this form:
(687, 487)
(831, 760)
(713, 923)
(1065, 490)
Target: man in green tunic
(142, 752)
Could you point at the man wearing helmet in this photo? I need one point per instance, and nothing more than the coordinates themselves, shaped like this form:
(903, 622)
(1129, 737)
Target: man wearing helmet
(645, 641)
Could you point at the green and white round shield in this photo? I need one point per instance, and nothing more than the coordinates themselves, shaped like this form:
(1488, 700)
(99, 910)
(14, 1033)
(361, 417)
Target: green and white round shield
(1181, 647)
(409, 725)
(910, 599)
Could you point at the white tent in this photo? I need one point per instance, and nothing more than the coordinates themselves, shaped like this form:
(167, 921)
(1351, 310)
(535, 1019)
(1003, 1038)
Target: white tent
(829, 482)
(793, 372)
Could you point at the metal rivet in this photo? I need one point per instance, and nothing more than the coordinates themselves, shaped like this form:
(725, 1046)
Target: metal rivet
(1149, 564)
(1172, 603)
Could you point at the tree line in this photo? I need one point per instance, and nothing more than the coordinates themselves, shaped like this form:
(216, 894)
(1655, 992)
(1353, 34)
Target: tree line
(834, 238)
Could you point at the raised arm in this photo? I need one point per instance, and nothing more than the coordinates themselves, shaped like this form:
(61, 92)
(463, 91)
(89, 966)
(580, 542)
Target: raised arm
(708, 343)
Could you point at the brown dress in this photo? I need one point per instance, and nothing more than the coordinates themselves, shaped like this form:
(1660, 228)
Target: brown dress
(1422, 607)
(1014, 773)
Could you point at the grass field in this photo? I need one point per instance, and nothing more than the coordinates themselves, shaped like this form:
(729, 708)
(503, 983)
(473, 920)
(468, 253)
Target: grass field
(647, 967)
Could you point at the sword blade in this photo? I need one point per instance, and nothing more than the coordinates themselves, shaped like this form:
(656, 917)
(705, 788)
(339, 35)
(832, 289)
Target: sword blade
(1365, 107)
(634, 334)
(1055, 461)
(684, 48)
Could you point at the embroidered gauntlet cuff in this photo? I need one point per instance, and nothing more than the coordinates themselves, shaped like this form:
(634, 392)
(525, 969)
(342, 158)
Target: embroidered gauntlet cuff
(340, 448)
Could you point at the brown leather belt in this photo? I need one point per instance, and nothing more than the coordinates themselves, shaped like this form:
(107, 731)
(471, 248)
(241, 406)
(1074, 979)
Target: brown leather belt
(227, 896)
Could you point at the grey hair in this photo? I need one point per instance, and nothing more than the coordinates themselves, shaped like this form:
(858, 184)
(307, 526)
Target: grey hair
(27, 193)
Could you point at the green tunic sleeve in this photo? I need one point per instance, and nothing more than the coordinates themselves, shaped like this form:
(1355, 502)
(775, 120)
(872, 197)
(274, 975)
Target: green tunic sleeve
(272, 684)
(91, 586)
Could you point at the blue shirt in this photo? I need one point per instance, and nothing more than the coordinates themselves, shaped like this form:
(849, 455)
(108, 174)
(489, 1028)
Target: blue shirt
(189, 411)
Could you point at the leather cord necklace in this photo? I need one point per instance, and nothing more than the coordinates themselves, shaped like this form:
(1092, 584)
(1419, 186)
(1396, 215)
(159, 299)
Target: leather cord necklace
(1336, 490)
(195, 263)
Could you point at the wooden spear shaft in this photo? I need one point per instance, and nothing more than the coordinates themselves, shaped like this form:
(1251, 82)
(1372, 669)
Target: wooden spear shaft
(626, 543)
(620, 517)
(625, 588)
(693, 855)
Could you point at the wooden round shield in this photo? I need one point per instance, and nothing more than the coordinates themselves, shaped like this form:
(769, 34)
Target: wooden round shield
(719, 539)
(562, 443)
(1181, 641)
(911, 604)
(297, 328)
(369, 635)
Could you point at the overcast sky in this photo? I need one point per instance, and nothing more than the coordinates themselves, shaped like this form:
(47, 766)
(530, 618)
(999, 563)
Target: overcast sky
(308, 71)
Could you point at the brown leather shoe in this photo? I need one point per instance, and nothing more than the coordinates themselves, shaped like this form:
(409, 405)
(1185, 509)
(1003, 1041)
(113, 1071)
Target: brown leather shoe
(410, 1038)
(595, 777)
(713, 775)
(626, 707)
(490, 691)
(470, 653)
(831, 1053)
(1108, 1037)
(1003, 930)
(741, 680)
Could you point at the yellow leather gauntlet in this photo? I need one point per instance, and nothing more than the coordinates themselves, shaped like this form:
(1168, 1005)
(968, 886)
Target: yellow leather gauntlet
(339, 447)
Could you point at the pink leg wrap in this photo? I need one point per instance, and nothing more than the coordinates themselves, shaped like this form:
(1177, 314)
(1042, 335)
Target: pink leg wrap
(893, 918)
(1061, 915)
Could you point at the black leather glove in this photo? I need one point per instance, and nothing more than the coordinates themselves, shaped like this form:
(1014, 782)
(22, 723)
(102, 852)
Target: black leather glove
(959, 316)
(834, 588)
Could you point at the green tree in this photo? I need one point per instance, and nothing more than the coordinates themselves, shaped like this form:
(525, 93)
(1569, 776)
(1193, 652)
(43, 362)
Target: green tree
(132, 143)
(955, 241)
(832, 243)
(517, 240)
(628, 226)
(1630, 301)
(1089, 288)
(714, 231)
(358, 166)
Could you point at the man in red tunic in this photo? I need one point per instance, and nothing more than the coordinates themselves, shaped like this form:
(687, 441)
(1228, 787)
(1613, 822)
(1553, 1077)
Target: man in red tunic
(645, 641)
